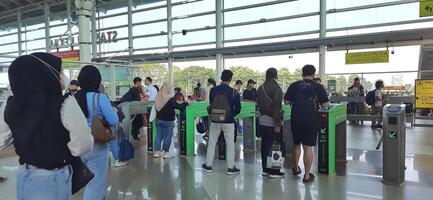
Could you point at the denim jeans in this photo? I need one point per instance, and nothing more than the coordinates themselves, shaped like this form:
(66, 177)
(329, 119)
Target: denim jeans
(97, 161)
(164, 133)
(41, 184)
(114, 147)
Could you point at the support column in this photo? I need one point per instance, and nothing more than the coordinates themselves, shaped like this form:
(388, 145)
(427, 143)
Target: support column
(219, 38)
(130, 38)
(170, 41)
(69, 22)
(322, 35)
(19, 21)
(94, 33)
(84, 12)
(47, 28)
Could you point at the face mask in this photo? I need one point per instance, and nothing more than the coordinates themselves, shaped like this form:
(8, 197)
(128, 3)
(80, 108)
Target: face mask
(63, 79)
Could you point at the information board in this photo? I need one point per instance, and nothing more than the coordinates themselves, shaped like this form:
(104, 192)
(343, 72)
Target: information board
(367, 57)
(425, 8)
(71, 55)
(423, 93)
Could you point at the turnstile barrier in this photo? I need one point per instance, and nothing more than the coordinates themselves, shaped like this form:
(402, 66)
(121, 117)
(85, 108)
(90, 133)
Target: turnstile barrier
(394, 144)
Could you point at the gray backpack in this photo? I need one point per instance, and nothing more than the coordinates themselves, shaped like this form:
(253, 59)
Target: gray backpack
(219, 110)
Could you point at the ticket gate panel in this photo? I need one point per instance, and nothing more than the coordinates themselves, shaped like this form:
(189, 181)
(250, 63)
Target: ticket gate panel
(394, 144)
(332, 150)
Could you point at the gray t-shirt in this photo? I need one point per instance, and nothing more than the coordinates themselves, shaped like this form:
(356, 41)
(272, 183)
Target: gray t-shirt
(378, 96)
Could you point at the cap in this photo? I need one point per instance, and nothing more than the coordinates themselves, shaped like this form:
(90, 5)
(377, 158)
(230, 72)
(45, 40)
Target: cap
(251, 81)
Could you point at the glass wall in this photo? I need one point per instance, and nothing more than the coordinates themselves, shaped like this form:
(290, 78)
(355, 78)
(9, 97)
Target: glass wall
(245, 22)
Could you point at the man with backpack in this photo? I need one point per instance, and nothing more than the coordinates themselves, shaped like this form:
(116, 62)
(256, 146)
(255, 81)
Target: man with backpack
(225, 104)
(269, 100)
(305, 96)
(377, 104)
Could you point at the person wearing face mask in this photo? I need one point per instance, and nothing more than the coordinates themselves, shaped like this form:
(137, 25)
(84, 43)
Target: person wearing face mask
(48, 129)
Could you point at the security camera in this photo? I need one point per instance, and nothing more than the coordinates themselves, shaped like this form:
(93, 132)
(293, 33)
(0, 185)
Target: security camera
(392, 51)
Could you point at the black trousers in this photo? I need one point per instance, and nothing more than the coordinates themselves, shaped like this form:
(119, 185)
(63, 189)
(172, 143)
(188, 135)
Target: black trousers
(268, 137)
(137, 123)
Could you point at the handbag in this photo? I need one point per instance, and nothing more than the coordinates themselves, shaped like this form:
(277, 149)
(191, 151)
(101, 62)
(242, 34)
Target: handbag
(101, 131)
(200, 127)
(275, 159)
(81, 174)
(126, 148)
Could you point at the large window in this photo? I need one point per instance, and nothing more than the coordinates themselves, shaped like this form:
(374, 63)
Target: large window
(272, 28)
(194, 22)
(193, 8)
(271, 11)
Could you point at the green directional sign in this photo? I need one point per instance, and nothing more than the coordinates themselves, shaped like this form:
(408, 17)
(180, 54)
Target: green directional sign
(392, 135)
(426, 8)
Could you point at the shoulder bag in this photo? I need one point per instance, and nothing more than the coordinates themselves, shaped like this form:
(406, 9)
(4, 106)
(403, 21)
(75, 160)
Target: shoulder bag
(101, 131)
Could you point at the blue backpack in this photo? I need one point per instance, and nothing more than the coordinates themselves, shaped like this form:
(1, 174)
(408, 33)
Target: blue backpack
(126, 149)
(369, 99)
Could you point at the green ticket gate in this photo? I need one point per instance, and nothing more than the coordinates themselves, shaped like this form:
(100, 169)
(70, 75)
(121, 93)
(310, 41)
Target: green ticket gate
(186, 126)
(248, 115)
(151, 130)
(332, 139)
(287, 129)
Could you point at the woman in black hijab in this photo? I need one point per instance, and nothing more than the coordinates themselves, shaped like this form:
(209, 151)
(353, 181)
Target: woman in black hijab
(43, 139)
(97, 159)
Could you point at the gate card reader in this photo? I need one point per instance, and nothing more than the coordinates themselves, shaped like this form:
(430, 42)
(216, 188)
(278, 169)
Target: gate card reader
(332, 140)
(394, 143)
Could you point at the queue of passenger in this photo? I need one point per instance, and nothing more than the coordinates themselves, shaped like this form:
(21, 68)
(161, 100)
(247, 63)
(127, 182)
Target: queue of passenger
(60, 136)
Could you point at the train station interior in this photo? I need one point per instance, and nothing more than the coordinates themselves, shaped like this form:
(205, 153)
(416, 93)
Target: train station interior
(374, 133)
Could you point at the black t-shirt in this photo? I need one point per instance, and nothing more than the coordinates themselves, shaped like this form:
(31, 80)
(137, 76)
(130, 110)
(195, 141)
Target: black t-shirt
(250, 94)
(305, 97)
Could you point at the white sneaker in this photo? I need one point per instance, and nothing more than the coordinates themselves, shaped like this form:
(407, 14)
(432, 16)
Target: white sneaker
(157, 154)
(167, 155)
(120, 163)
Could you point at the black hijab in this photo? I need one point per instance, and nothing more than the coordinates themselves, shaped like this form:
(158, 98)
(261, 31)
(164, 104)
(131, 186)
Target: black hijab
(90, 80)
(36, 92)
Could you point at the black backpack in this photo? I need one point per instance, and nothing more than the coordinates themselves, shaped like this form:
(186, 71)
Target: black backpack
(219, 110)
(306, 102)
(369, 99)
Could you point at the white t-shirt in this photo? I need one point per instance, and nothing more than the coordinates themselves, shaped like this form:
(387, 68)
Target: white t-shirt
(73, 119)
(151, 92)
(378, 97)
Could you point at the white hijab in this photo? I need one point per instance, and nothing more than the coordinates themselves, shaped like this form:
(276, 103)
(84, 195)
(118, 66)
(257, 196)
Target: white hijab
(164, 95)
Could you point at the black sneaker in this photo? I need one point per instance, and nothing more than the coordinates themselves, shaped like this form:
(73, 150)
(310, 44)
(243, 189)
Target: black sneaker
(277, 175)
(233, 171)
(206, 168)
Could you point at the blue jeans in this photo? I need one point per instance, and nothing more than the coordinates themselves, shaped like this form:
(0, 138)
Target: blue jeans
(114, 147)
(97, 161)
(41, 184)
(164, 133)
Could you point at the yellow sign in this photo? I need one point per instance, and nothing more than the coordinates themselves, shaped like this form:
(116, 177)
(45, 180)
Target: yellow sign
(423, 93)
(367, 57)
(393, 88)
(426, 8)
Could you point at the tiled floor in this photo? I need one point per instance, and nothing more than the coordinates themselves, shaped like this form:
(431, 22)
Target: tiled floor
(182, 177)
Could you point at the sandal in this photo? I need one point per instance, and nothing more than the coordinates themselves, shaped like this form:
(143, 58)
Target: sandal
(310, 180)
(297, 171)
